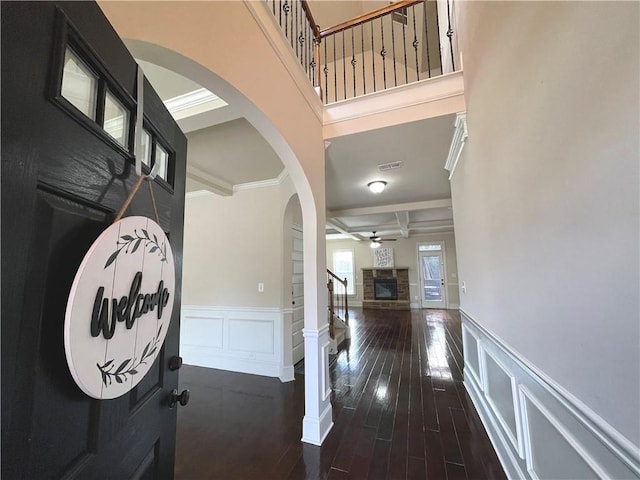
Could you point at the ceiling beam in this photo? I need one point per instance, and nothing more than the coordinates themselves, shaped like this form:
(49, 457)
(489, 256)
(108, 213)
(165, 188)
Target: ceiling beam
(216, 185)
(338, 226)
(398, 207)
(403, 222)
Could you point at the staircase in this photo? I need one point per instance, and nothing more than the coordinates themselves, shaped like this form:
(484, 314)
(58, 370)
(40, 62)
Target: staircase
(338, 310)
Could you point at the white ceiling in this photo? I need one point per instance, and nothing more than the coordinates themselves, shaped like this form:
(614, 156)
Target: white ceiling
(422, 147)
(225, 150)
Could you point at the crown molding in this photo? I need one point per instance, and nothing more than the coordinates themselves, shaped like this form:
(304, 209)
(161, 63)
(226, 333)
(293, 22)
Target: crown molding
(216, 185)
(457, 143)
(179, 106)
(271, 182)
(198, 193)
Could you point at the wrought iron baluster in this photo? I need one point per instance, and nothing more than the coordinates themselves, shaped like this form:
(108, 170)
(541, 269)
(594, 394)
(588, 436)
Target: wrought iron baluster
(415, 40)
(439, 44)
(303, 45)
(450, 35)
(373, 58)
(286, 8)
(353, 61)
(297, 23)
(404, 48)
(291, 19)
(426, 35)
(335, 71)
(308, 62)
(364, 74)
(273, 7)
(302, 39)
(326, 71)
(280, 12)
(344, 70)
(393, 51)
(383, 54)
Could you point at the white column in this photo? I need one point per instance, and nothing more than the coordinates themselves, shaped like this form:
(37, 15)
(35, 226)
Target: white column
(318, 419)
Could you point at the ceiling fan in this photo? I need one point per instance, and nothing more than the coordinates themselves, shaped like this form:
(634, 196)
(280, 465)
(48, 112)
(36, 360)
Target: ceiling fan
(376, 241)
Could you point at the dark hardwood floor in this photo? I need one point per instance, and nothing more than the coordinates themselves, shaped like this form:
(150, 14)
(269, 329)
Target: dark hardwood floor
(399, 407)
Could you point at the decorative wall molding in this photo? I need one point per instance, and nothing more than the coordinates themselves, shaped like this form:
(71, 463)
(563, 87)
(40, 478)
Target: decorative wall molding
(198, 193)
(183, 104)
(271, 182)
(239, 339)
(539, 430)
(457, 143)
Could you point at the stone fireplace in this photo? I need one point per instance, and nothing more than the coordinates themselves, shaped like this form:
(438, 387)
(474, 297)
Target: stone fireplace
(386, 288)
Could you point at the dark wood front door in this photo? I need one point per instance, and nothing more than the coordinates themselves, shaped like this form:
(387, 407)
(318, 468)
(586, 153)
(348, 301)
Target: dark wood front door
(67, 167)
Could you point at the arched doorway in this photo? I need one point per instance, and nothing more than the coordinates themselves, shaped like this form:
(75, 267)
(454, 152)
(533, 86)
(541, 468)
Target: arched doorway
(205, 41)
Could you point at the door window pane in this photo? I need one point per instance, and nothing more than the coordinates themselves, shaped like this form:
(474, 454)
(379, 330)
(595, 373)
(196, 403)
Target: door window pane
(116, 120)
(432, 277)
(79, 84)
(429, 248)
(146, 148)
(162, 159)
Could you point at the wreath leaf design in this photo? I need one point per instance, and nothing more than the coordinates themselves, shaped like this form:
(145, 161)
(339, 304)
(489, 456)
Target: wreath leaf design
(131, 243)
(120, 374)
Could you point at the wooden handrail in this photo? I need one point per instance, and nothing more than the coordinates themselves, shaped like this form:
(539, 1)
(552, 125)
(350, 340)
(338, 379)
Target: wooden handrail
(312, 23)
(380, 12)
(342, 281)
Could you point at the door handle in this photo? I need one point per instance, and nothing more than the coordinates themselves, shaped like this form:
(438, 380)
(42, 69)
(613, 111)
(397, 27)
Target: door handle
(182, 398)
(175, 363)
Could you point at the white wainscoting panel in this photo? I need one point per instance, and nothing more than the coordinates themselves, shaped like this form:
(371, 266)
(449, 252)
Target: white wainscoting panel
(501, 392)
(471, 354)
(539, 430)
(239, 339)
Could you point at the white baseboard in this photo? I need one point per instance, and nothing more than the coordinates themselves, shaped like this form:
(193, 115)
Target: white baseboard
(287, 374)
(453, 306)
(415, 306)
(238, 339)
(315, 430)
(539, 430)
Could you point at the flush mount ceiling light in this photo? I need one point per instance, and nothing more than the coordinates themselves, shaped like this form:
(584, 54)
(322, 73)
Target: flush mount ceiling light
(377, 186)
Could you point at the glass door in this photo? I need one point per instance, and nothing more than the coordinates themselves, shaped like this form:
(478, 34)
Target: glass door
(432, 274)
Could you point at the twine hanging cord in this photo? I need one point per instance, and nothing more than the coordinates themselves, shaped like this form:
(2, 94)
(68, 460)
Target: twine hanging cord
(133, 192)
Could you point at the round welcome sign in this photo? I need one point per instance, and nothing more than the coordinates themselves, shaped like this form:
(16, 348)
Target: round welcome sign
(119, 308)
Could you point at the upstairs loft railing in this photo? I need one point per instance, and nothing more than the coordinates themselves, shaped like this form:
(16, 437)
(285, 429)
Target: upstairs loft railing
(401, 43)
(302, 32)
(338, 301)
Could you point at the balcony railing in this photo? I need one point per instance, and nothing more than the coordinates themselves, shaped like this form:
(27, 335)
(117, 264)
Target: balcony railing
(401, 43)
(302, 32)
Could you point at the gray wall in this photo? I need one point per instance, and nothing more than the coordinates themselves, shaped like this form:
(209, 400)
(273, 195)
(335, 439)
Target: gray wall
(546, 197)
